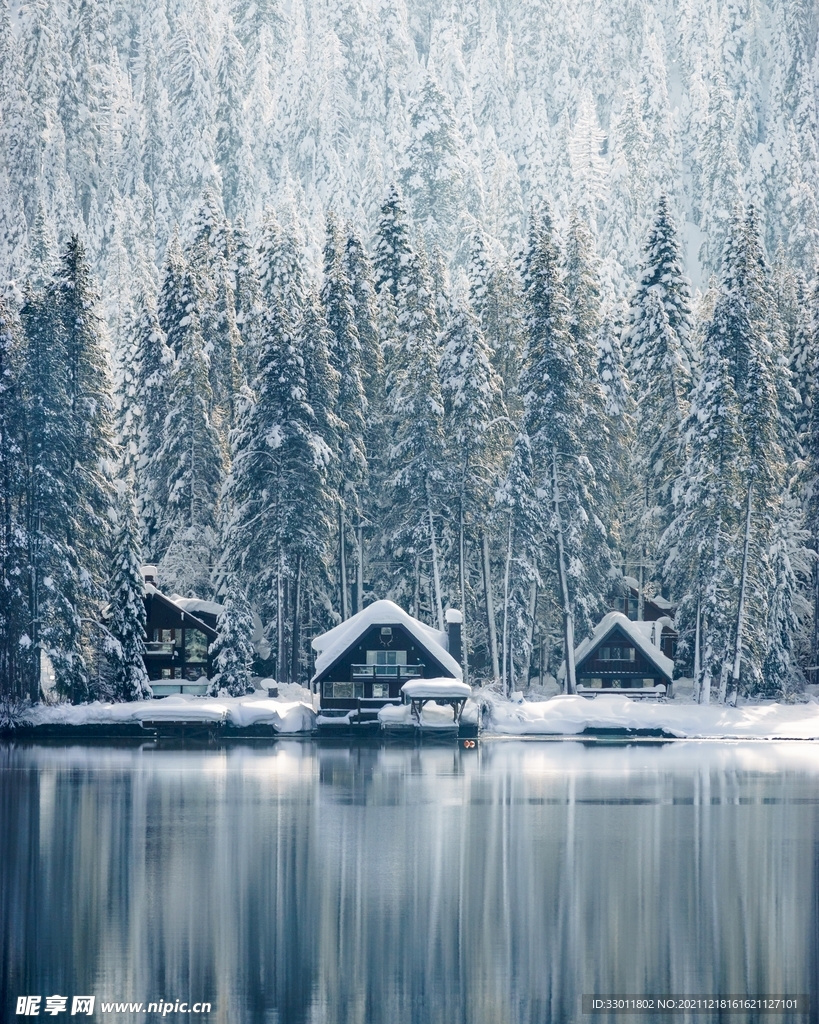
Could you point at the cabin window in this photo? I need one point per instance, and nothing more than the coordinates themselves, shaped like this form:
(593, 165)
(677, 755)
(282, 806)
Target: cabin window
(196, 646)
(632, 607)
(164, 636)
(617, 654)
(381, 689)
(386, 657)
(343, 691)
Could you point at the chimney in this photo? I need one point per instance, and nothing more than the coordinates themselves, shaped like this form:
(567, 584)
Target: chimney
(149, 574)
(453, 625)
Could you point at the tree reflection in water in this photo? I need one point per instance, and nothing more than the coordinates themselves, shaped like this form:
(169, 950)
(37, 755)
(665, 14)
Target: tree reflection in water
(294, 882)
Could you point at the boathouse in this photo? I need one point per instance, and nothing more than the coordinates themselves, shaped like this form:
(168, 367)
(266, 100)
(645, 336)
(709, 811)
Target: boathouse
(362, 663)
(623, 654)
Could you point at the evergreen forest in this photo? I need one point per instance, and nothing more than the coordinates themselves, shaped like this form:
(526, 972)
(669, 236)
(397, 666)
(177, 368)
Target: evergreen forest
(499, 306)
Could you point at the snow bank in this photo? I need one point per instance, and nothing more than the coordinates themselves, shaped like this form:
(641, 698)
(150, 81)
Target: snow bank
(569, 716)
(284, 715)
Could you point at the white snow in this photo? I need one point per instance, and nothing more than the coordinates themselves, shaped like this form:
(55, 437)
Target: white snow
(570, 715)
(436, 689)
(195, 606)
(385, 613)
(286, 716)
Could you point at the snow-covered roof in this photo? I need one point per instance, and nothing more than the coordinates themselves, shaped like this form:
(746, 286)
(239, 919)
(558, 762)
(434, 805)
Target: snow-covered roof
(436, 689)
(640, 633)
(332, 644)
(153, 591)
(195, 606)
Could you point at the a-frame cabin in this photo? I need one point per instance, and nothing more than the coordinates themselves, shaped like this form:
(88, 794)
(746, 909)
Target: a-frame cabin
(623, 654)
(362, 664)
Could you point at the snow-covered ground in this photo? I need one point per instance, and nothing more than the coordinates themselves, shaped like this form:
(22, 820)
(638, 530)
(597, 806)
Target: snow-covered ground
(561, 715)
(569, 716)
(291, 712)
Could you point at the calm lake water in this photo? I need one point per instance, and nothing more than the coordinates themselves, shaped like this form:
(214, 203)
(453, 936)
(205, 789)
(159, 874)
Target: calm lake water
(301, 883)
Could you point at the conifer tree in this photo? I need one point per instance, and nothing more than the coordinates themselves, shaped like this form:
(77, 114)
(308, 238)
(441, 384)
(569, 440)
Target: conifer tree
(474, 428)
(704, 538)
(190, 465)
(662, 272)
(524, 539)
(152, 369)
(277, 480)
(13, 568)
(351, 406)
(416, 458)
(393, 246)
(232, 650)
(127, 607)
(556, 395)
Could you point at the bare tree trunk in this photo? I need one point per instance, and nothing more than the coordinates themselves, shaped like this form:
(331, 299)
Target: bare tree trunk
(491, 624)
(504, 679)
(296, 642)
(743, 587)
(416, 596)
(464, 641)
(697, 657)
(642, 581)
(279, 620)
(342, 562)
(439, 607)
(531, 643)
(568, 614)
(359, 570)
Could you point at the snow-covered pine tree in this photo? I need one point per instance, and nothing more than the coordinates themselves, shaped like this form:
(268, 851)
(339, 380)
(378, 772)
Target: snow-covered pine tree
(89, 441)
(248, 300)
(518, 503)
(177, 296)
(475, 427)
(393, 247)
(556, 399)
(13, 567)
(703, 543)
(280, 266)
(662, 271)
(232, 650)
(127, 607)
(189, 465)
(317, 490)
(279, 468)
(416, 457)
(351, 405)
(153, 366)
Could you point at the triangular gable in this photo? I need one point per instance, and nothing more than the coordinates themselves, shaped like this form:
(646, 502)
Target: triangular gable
(634, 632)
(332, 645)
(188, 620)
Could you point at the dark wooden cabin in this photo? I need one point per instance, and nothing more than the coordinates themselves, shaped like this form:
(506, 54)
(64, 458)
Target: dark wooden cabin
(177, 641)
(621, 654)
(364, 662)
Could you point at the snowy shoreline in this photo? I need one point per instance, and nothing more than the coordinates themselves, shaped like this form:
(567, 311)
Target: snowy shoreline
(558, 717)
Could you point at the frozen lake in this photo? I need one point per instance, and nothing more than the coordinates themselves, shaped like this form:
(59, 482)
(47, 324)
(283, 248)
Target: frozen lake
(295, 882)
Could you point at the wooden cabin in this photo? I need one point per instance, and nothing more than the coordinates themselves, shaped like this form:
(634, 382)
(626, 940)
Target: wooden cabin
(622, 654)
(363, 663)
(179, 633)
